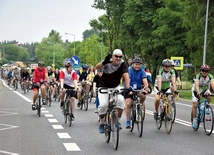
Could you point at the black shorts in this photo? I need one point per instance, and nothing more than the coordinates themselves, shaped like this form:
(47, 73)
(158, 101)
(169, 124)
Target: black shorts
(72, 93)
(128, 96)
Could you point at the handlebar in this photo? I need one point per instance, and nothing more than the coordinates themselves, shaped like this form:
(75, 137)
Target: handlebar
(142, 90)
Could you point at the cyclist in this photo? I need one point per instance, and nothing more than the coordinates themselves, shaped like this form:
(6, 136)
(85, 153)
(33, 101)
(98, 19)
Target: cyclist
(138, 78)
(82, 78)
(40, 75)
(57, 73)
(114, 69)
(9, 76)
(52, 80)
(96, 85)
(15, 75)
(68, 80)
(202, 83)
(25, 76)
(165, 77)
(90, 78)
(176, 74)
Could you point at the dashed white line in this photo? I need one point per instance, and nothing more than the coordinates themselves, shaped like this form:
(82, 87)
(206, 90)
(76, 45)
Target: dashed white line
(48, 115)
(63, 135)
(52, 120)
(45, 111)
(57, 126)
(71, 147)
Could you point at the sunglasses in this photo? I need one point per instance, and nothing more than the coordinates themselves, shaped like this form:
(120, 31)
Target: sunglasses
(167, 66)
(117, 56)
(205, 71)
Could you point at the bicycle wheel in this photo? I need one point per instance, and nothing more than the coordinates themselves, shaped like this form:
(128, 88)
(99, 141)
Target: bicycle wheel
(160, 117)
(168, 118)
(208, 120)
(86, 103)
(70, 114)
(198, 120)
(24, 87)
(49, 97)
(66, 112)
(115, 129)
(107, 128)
(139, 119)
(39, 106)
(133, 118)
(173, 111)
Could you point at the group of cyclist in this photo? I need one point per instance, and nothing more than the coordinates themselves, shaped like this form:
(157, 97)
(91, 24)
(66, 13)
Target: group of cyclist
(108, 74)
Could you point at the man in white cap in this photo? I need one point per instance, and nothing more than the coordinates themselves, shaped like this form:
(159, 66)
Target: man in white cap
(114, 68)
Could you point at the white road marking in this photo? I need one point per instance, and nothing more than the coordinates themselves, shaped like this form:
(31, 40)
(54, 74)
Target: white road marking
(6, 113)
(63, 135)
(52, 120)
(48, 115)
(57, 126)
(71, 147)
(22, 96)
(43, 108)
(45, 111)
(8, 127)
(5, 152)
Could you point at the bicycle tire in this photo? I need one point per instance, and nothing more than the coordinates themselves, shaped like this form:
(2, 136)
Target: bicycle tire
(70, 113)
(168, 118)
(140, 120)
(24, 87)
(208, 118)
(173, 112)
(49, 97)
(39, 106)
(133, 118)
(107, 128)
(160, 117)
(86, 103)
(115, 129)
(65, 112)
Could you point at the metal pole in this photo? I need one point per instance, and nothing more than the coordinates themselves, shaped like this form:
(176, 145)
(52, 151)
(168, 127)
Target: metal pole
(205, 34)
(74, 44)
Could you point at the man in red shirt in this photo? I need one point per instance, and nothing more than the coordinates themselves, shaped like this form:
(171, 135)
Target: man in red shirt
(68, 80)
(40, 76)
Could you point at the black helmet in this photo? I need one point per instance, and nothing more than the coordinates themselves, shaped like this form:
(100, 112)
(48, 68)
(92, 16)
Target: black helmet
(68, 63)
(137, 60)
(41, 63)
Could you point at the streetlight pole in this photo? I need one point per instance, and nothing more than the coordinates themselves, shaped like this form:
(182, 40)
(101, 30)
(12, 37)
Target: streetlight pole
(53, 65)
(74, 40)
(205, 34)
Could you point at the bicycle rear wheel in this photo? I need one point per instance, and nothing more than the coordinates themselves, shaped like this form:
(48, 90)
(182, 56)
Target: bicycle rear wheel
(115, 129)
(107, 127)
(140, 119)
(208, 120)
(133, 118)
(160, 117)
(168, 118)
(173, 111)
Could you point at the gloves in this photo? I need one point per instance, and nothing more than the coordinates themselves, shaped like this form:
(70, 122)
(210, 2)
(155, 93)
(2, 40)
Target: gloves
(107, 59)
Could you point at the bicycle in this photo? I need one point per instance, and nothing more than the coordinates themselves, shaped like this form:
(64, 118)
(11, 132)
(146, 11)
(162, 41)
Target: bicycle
(111, 119)
(137, 110)
(25, 86)
(84, 97)
(165, 112)
(48, 95)
(67, 108)
(204, 114)
(39, 99)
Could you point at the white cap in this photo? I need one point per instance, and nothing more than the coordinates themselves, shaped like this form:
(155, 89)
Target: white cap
(117, 51)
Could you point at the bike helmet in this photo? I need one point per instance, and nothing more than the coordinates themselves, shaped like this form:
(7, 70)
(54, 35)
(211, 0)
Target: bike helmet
(68, 63)
(173, 64)
(205, 67)
(41, 63)
(167, 62)
(49, 68)
(137, 60)
(85, 66)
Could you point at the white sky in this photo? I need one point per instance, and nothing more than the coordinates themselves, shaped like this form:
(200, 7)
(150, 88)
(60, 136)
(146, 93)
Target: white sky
(31, 20)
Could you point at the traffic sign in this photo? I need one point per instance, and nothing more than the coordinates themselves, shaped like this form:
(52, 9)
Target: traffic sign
(75, 60)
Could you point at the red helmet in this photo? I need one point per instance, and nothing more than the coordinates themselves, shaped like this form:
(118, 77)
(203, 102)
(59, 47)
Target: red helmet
(205, 67)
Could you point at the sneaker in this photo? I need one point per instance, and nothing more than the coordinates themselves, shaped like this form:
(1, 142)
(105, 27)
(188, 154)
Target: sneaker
(72, 117)
(128, 124)
(61, 105)
(195, 124)
(101, 128)
(119, 125)
(54, 96)
(96, 111)
(155, 115)
(43, 102)
(33, 106)
(78, 104)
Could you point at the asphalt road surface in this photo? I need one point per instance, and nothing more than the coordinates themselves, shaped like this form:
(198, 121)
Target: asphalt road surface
(23, 132)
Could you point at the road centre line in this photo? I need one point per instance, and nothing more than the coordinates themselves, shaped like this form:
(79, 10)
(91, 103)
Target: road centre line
(5, 152)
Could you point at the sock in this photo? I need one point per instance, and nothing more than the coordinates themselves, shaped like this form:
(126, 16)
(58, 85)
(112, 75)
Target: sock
(101, 120)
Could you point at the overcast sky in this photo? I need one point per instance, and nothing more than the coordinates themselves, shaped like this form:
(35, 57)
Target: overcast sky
(31, 20)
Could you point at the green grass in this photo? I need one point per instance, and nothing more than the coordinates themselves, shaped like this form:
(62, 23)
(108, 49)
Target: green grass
(185, 94)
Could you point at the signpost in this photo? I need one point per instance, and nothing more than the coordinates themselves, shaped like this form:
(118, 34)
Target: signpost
(76, 62)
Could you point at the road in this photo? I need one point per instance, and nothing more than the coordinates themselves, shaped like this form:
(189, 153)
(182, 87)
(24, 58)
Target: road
(23, 132)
